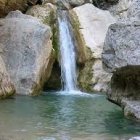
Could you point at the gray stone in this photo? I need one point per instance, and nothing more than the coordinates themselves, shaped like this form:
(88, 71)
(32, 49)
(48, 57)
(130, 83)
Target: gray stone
(27, 51)
(6, 86)
(90, 32)
(126, 9)
(121, 56)
(121, 46)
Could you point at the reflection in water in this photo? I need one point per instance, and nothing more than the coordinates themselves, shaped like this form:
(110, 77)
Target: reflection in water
(55, 117)
(121, 126)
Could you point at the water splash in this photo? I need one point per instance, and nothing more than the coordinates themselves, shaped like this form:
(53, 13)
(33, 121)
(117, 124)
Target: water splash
(67, 51)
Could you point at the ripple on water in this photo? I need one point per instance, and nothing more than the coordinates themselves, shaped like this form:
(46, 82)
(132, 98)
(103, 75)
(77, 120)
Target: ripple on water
(63, 116)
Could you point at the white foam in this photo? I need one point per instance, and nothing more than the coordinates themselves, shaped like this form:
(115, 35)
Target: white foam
(75, 93)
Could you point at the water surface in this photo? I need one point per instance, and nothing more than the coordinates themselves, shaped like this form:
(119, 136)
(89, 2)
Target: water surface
(62, 117)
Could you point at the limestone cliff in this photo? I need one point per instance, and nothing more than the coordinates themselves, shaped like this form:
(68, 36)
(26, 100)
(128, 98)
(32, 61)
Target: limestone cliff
(90, 26)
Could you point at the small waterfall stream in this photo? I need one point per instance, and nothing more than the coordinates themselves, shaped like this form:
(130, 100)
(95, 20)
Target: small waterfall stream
(67, 52)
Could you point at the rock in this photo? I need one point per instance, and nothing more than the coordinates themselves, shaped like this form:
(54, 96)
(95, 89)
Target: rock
(76, 3)
(121, 56)
(134, 10)
(126, 9)
(6, 86)
(131, 108)
(27, 51)
(47, 14)
(10, 5)
(90, 25)
(49, 1)
(119, 52)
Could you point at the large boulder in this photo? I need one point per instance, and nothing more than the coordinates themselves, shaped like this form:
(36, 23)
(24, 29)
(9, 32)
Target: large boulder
(27, 51)
(6, 86)
(9, 5)
(47, 13)
(121, 56)
(90, 26)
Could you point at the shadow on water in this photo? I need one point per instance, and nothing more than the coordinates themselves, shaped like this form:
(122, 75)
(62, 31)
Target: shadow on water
(117, 124)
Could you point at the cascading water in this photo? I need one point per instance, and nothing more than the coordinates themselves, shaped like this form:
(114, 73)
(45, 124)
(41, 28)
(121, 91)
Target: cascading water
(67, 51)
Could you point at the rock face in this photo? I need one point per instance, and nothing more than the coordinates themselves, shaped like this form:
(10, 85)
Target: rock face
(6, 86)
(126, 9)
(47, 14)
(27, 51)
(121, 56)
(10, 5)
(90, 25)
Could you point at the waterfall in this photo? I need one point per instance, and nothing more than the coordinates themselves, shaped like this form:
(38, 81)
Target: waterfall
(67, 52)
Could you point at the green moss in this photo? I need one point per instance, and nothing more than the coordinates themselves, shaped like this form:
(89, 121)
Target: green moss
(85, 76)
(79, 37)
(55, 41)
(52, 22)
(84, 56)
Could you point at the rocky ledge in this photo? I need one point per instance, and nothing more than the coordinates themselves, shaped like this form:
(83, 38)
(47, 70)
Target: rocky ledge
(121, 56)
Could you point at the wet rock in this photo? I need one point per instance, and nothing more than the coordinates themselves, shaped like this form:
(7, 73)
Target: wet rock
(121, 56)
(27, 51)
(6, 86)
(10, 5)
(90, 26)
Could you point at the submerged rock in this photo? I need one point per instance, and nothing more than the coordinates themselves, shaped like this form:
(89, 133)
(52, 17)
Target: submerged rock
(10, 5)
(27, 51)
(90, 26)
(6, 86)
(121, 56)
